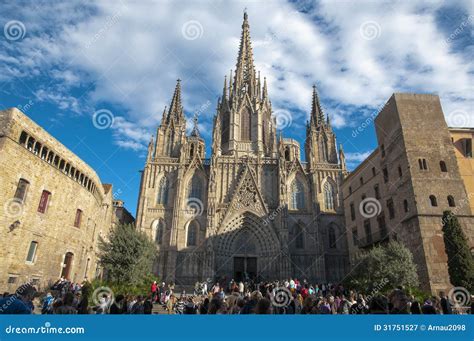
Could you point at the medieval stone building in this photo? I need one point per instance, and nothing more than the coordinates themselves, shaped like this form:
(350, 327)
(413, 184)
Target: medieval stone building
(54, 208)
(253, 209)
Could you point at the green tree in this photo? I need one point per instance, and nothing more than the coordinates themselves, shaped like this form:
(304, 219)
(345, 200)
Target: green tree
(460, 262)
(128, 255)
(382, 266)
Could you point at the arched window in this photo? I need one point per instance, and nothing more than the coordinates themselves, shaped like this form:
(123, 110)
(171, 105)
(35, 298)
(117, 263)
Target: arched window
(245, 125)
(163, 190)
(159, 231)
(191, 238)
(405, 205)
(332, 237)
(442, 166)
(328, 196)
(298, 236)
(287, 153)
(433, 201)
(191, 151)
(297, 195)
(195, 189)
(451, 202)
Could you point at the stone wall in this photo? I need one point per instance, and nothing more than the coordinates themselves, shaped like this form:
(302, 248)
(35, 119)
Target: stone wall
(76, 187)
(415, 168)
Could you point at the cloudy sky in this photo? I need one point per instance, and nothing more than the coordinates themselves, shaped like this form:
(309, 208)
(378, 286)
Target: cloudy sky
(98, 75)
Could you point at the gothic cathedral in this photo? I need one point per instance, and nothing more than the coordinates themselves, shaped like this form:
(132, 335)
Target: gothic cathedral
(254, 209)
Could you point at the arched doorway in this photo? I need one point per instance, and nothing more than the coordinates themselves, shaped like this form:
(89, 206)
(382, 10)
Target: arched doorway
(245, 257)
(67, 265)
(246, 248)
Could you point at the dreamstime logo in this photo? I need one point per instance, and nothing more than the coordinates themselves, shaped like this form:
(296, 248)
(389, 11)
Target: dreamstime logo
(458, 118)
(370, 30)
(192, 30)
(370, 207)
(13, 208)
(103, 119)
(103, 296)
(459, 296)
(283, 119)
(14, 30)
(194, 207)
(281, 297)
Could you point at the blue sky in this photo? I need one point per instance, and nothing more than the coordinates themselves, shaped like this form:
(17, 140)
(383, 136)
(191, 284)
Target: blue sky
(62, 62)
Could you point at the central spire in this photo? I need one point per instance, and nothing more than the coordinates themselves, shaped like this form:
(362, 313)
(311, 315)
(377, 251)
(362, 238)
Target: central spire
(244, 81)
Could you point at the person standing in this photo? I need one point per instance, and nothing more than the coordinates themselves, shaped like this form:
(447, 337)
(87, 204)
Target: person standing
(445, 304)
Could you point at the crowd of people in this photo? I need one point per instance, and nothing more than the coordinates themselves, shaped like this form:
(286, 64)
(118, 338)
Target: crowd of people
(276, 297)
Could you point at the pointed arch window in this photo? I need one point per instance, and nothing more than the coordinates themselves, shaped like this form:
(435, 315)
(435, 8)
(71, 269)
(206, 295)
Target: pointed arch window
(163, 191)
(328, 196)
(332, 237)
(159, 232)
(245, 125)
(191, 239)
(195, 190)
(297, 195)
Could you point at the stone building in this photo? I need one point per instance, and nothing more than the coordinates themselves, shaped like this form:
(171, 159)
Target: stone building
(462, 140)
(401, 190)
(121, 214)
(53, 207)
(253, 209)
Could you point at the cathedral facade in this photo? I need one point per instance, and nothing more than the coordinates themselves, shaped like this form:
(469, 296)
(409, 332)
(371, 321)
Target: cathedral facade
(253, 209)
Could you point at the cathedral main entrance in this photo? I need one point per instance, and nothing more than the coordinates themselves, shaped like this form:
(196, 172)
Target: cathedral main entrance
(245, 268)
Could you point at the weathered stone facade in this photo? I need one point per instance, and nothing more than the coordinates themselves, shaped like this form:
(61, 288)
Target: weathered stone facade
(462, 140)
(407, 182)
(253, 209)
(53, 207)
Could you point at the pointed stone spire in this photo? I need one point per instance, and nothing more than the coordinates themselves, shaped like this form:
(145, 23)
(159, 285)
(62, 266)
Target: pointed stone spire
(317, 114)
(265, 89)
(176, 108)
(328, 121)
(230, 84)
(245, 80)
(224, 90)
(342, 158)
(195, 131)
(163, 118)
(150, 149)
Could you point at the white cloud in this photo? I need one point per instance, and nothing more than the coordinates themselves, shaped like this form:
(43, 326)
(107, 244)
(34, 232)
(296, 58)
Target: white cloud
(131, 54)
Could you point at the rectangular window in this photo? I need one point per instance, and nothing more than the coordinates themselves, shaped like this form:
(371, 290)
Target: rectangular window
(350, 190)
(382, 225)
(377, 192)
(355, 237)
(400, 173)
(353, 214)
(373, 171)
(77, 220)
(468, 147)
(32, 252)
(21, 190)
(385, 174)
(368, 231)
(391, 209)
(12, 279)
(43, 204)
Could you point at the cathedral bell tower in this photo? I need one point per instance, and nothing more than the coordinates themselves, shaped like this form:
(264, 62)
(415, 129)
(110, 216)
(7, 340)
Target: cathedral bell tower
(320, 145)
(171, 133)
(243, 118)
